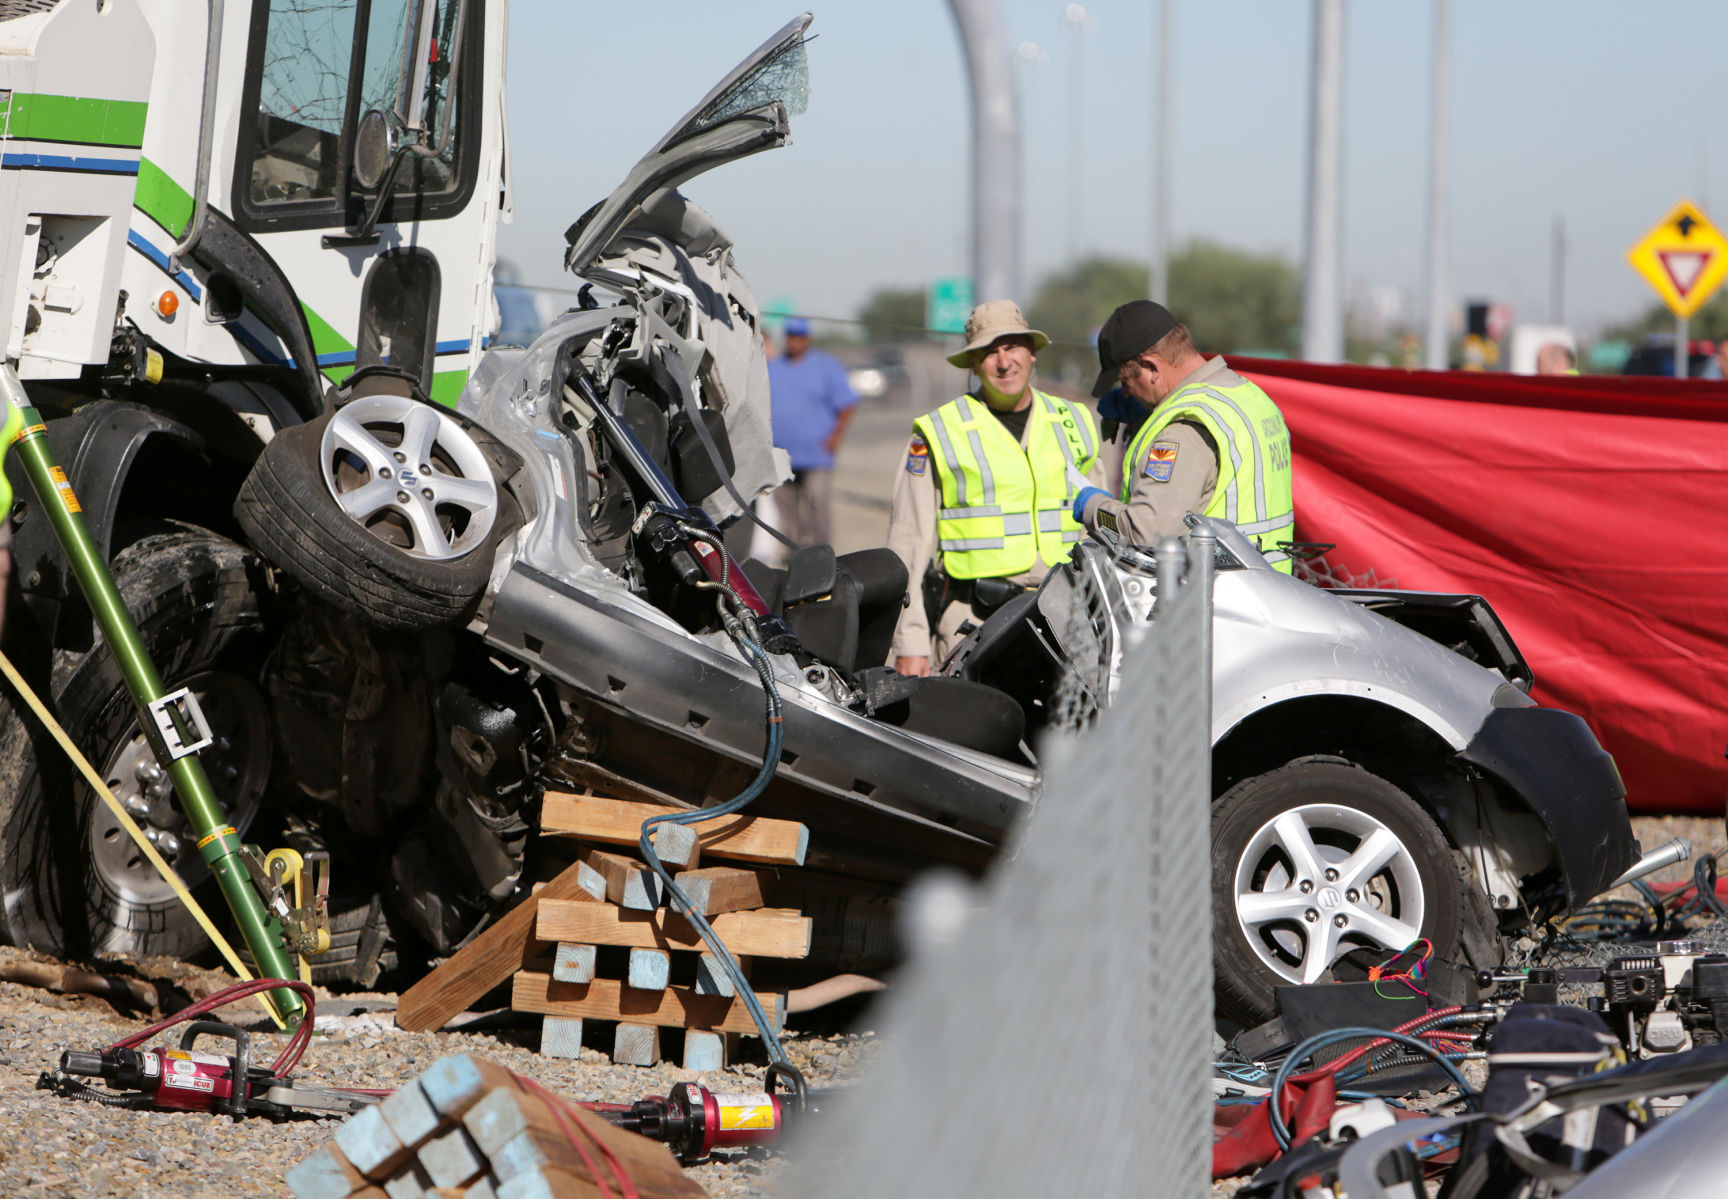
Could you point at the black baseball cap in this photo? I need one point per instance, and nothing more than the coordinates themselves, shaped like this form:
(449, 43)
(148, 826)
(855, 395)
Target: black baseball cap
(1132, 329)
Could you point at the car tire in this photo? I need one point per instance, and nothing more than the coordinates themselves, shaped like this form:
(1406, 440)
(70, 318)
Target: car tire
(1276, 910)
(380, 568)
(73, 881)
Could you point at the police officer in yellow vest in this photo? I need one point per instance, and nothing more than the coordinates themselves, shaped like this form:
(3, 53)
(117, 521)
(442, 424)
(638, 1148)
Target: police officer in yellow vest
(1214, 443)
(988, 487)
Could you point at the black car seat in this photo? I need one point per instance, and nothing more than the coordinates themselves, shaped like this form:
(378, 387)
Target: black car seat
(850, 627)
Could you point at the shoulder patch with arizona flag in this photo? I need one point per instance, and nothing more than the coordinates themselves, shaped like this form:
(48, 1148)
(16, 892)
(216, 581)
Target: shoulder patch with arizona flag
(917, 455)
(1161, 461)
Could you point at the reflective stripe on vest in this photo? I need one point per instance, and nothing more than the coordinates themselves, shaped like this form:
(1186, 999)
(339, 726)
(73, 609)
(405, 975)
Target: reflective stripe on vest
(991, 487)
(1253, 491)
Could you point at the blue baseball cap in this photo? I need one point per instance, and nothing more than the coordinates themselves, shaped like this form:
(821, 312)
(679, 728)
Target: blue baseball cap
(797, 326)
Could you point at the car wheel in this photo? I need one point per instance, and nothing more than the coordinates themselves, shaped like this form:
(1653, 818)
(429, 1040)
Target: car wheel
(388, 508)
(73, 880)
(1313, 860)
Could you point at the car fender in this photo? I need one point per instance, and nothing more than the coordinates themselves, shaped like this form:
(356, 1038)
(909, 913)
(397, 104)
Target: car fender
(1276, 638)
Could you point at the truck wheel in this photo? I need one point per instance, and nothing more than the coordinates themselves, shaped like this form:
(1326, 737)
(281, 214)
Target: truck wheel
(73, 880)
(388, 508)
(1313, 860)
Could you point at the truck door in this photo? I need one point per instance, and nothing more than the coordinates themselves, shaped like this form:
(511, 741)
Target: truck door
(372, 113)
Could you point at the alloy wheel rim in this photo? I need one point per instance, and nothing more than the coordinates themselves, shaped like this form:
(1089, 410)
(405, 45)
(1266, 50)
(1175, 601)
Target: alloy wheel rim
(410, 475)
(1319, 880)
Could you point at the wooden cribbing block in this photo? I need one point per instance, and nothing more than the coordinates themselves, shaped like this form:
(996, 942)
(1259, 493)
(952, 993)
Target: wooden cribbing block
(410, 1115)
(712, 979)
(636, 1045)
(704, 1050)
(410, 1182)
(549, 1156)
(492, 957)
(503, 1115)
(573, 963)
(325, 1173)
(629, 883)
(716, 889)
(768, 933)
(604, 999)
(452, 1159)
(741, 838)
(650, 969)
(367, 1141)
(455, 1084)
(560, 1036)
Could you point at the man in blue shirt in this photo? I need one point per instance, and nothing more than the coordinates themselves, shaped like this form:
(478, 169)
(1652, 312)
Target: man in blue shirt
(811, 404)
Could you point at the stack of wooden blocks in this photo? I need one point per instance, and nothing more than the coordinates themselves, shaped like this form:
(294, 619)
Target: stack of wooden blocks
(467, 1128)
(599, 942)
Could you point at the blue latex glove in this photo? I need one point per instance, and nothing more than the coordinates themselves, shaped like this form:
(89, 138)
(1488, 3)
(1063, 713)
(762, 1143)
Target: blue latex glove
(1117, 407)
(1085, 496)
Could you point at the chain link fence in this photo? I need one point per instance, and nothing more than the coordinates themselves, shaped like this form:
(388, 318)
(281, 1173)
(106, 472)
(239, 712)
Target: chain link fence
(1057, 1041)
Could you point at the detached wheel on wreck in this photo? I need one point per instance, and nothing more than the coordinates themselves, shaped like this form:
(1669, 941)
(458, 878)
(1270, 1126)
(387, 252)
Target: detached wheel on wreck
(73, 881)
(388, 508)
(1313, 860)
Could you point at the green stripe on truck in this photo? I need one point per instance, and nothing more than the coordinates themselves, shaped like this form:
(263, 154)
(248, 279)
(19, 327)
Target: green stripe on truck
(75, 119)
(161, 199)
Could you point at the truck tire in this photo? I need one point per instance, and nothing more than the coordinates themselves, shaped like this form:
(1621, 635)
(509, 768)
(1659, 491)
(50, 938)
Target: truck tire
(74, 883)
(1314, 859)
(401, 563)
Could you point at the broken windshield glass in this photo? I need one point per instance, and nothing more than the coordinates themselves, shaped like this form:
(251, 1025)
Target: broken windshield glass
(783, 74)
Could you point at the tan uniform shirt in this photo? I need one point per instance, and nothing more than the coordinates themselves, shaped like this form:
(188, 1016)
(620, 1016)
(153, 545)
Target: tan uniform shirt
(1154, 509)
(912, 535)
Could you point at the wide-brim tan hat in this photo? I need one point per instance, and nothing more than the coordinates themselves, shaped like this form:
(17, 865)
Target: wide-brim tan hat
(991, 320)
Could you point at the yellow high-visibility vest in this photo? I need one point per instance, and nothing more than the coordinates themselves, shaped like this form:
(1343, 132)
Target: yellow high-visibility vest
(1004, 506)
(1253, 491)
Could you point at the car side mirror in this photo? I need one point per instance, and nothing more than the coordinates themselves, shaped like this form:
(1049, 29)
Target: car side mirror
(811, 573)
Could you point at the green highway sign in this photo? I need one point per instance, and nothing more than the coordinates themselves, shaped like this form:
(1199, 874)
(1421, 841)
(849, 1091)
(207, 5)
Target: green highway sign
(948, 305)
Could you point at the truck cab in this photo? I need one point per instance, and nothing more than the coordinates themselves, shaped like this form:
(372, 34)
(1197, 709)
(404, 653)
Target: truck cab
(249, 190)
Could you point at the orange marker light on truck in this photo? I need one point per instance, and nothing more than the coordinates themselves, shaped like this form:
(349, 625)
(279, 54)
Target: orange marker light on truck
(167, 304)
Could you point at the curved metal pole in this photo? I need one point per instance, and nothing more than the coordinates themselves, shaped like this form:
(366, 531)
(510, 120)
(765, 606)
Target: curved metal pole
(995, 140)
(206, 130)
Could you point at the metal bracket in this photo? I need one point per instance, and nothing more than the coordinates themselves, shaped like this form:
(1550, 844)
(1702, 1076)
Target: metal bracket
(181, 723)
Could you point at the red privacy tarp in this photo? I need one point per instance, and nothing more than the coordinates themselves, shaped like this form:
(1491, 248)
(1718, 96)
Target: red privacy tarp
(1592, 512)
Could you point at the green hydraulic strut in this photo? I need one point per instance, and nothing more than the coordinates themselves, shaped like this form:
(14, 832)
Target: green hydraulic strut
(172, 722)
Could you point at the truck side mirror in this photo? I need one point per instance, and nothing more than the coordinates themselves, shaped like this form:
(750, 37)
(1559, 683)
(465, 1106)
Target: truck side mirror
(375, 145)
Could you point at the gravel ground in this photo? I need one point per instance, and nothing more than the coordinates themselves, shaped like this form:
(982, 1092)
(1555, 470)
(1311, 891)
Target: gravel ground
(62, 1147)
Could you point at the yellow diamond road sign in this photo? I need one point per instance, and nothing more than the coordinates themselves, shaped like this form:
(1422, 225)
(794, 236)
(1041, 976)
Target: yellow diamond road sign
(1685, 258)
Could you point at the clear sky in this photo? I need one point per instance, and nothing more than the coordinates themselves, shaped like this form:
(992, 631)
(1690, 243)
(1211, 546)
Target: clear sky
(1601, 114)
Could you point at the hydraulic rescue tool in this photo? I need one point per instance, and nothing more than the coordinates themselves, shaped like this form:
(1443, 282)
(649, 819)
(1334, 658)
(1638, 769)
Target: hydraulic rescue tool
(693, 1121)
(186, 1079)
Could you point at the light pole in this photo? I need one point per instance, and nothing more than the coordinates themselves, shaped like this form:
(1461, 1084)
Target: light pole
(1440, 123)
(1075, 20)
(1158, 276)
(996, 142)
(1322, 294)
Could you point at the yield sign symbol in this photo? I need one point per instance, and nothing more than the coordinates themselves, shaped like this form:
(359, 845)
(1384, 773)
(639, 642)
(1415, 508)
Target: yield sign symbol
(1684, 267)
